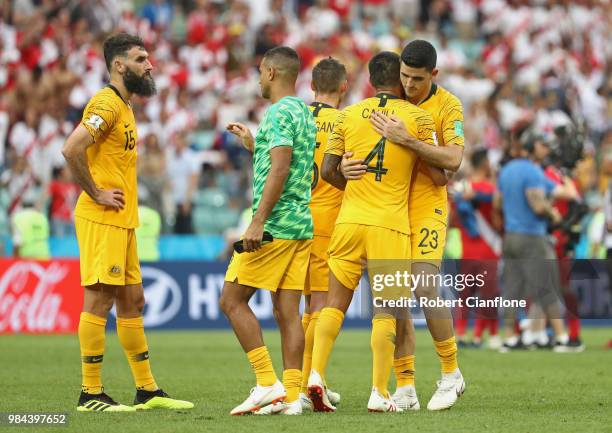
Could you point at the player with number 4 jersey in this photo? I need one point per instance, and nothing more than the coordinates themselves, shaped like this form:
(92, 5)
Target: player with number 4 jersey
(372, 222)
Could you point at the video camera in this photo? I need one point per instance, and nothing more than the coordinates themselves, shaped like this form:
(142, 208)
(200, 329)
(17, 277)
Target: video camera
(568, 146)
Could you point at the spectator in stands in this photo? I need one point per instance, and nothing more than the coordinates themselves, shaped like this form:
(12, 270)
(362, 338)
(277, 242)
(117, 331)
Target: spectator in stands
(63, 195)
(30, 231)
(158, 13)
(153, 181)
(20, 181)
(147, 234)
(481, 246)
(184, 172)
(51, 61)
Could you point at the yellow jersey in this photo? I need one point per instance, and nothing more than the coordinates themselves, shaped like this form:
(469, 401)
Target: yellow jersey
(325, 199)
(426, 199)
(380, 198)
(111, 158)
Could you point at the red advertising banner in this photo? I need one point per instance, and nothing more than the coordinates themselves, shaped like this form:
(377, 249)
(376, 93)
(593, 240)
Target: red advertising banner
(39, 296)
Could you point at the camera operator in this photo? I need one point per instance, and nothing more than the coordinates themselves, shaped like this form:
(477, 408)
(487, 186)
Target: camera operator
(524, 195)
(561, 162)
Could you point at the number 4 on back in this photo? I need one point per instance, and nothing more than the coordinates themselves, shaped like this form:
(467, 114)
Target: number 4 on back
(377, 151)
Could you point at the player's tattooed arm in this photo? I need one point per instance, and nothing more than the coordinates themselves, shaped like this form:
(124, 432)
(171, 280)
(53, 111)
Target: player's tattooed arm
(331, 171)
(445, 157)
(75, 153)
(541, 205)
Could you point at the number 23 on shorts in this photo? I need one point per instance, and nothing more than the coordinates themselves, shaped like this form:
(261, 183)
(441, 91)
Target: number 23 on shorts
(429, 240)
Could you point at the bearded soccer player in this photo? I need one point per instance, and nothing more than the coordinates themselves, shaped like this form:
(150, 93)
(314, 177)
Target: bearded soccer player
(283, 151)
(372, 222)
(101, 152)
(428, 217)
(329, 84)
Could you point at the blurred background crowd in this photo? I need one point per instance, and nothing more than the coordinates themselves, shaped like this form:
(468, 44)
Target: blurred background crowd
(515, 64)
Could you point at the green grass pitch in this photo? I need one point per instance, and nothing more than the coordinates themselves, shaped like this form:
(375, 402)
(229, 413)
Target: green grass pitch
(517, 392)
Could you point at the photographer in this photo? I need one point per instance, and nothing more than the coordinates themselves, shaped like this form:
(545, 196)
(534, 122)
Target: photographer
(530, 267)
(561, 161)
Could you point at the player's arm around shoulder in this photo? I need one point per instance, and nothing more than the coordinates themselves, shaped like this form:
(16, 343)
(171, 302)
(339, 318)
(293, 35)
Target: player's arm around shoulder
(426, 132)
(395, 130)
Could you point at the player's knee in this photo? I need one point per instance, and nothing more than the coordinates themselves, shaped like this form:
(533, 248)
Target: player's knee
(227, 304)
(223, 303)
(276, 312)
(139, 303)
(285, 316)
(102, 306)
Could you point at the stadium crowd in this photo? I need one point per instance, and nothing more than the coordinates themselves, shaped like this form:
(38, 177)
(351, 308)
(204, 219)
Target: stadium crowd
(542, 65)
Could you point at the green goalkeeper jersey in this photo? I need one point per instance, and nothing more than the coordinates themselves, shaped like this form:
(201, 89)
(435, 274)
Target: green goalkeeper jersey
(288, 122)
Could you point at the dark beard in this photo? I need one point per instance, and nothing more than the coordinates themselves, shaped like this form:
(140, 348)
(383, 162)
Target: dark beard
(143, 86)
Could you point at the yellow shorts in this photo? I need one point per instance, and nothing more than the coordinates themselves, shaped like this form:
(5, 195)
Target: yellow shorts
(352, 244)
(281, 264)
(108, 254)
(428, 239)
(317, 278)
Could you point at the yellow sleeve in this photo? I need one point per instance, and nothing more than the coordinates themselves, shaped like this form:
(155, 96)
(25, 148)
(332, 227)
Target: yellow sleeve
(452, 122)
(99, 116)
(426, 129)
(335, 142)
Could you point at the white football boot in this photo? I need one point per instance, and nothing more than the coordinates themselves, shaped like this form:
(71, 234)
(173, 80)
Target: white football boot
(333, 396)
(318, 394)
(379, 403)
(306, 403)
(281, 408)
(260, 396)
(406, 398)
(450, 388)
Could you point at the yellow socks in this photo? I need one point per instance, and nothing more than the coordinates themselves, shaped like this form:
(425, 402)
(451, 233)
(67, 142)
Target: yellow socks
(447, 352)
(262, 365)
(91, 339)
(383, 346)
(132, 338)
(292, 379)
(404, 370)
(326, 331)
(306, 317)
(308, 343)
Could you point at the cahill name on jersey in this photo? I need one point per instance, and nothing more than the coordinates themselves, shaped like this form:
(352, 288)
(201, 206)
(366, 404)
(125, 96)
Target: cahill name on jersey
(426, 199)
(380, 198)
(112, 158)
(325, 199)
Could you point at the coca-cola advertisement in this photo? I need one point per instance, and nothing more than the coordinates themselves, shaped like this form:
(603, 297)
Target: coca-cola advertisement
(39, 296)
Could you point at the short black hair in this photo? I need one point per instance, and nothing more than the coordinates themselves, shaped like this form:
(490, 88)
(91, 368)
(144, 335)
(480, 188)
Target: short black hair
(420, 54)
(478, 157)
(384, 70)
(285, 60)
(328, 75)
(118, 45)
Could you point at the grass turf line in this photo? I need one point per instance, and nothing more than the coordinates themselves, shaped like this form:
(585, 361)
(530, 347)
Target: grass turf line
(517, 392)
